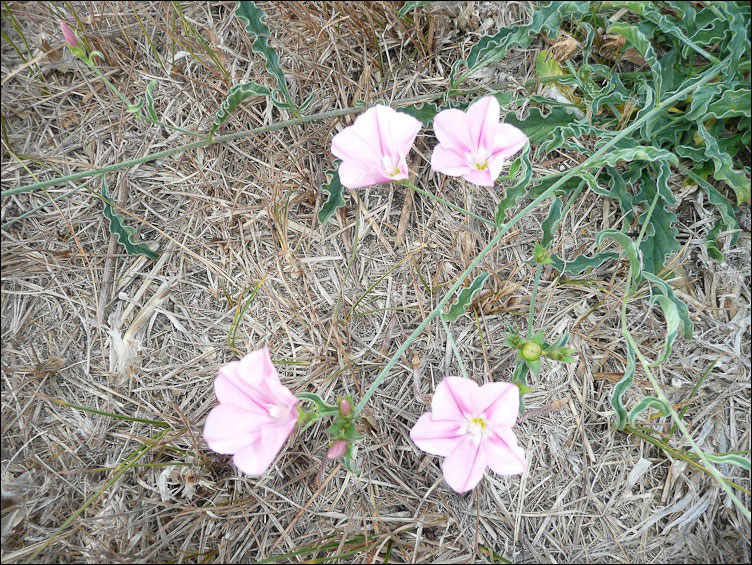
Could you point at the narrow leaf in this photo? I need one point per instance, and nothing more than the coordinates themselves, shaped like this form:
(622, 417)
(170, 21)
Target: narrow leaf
(235, 97)
(335, 196)
(126, 235)
(465, 298)
(645, 404)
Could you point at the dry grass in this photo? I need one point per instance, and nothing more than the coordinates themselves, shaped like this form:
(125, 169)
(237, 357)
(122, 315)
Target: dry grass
(227, 217)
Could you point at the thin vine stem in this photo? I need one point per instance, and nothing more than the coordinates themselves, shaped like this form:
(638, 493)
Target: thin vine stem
(221, 139)
(453, 345)
(449, 204)
(710, 75)
(647, 367)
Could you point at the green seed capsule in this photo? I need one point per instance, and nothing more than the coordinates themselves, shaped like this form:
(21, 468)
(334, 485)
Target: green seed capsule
(531, 351)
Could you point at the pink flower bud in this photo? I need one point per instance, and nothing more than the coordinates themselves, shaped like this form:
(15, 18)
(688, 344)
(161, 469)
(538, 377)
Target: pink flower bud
(70, 37)
(337, 449)
(345, 407)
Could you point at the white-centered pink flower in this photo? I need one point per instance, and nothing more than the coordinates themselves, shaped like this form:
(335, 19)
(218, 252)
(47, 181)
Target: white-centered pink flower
(374, 149)
(471, 426)
(473, 144)
(256, 413)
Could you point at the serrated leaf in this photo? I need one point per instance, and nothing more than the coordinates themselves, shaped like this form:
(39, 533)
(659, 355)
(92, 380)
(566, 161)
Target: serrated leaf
(126, 235)
(636, 38)
(253, 17)
(425, 112)
(150, 100)
(235, 97)
(674, 310)
(639, 153)
(536, 126)
(465, 298)
(630, 249)
(580, 263)
(621, 387)
(335, 195)
(492, 48)
(724, 164)
(645, 404)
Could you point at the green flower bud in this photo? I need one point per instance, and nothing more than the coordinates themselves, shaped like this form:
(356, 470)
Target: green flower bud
(531, 351)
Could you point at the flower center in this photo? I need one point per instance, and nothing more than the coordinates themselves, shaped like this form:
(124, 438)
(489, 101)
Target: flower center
(391, 166)
(476, 427)
(479, 160)
(276, 412)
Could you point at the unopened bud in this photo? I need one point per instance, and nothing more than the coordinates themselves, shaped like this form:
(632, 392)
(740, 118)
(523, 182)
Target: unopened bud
(337, 449)
(345, 407)
(70, 36)
(531, 351)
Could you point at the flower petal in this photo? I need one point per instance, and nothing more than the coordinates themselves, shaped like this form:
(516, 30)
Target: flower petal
(507, 140)
(483, 121)
(464, 467)
(481, 178)
(360, 143)
(256, 458)
(453, 399)
(499, 402)
(438, 437)
(229, 429)
(452, 131)
(397, 131)
(232, 389)
(449, 162)
(354, 175)
(503, 454)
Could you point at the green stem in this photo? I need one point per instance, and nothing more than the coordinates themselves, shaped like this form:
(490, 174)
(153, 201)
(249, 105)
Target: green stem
(448, 204)
(647, 366)
(205, 142)
(453, 345)
(531, 316)
(712, 73)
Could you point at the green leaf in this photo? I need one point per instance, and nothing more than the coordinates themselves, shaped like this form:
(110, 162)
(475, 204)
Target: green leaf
(253, 17)
(581, 262)
(681, 308)
(639, 153)
(551, 222)
(150, 100)
(724, 170)
(425, 112)
(126, 235)
(335, 199)
(408, 7)
(645, 404)
(519, 378)
(515, 192)
(621, 387)
(235, 97)
(492, 48)
(536, 126)
(730, 459)
(630, 248)
(465, 298)
(636, 38)
(321, 405)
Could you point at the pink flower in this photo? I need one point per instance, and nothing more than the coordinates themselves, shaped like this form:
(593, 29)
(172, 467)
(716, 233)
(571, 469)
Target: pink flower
(70, 37)
(471, 426)
(337, 449)
(374, 148)
(256, 413)
(473, 144)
